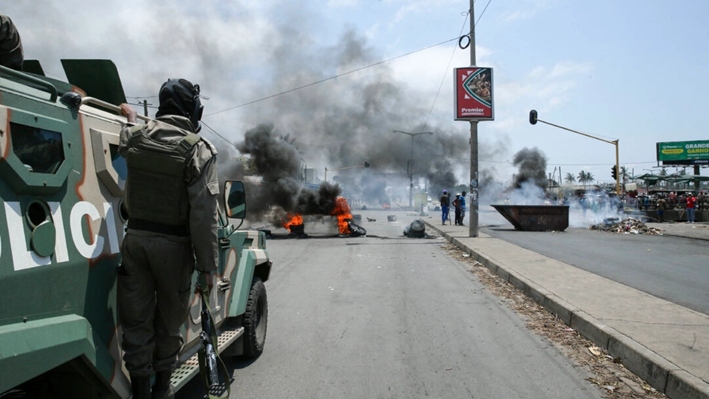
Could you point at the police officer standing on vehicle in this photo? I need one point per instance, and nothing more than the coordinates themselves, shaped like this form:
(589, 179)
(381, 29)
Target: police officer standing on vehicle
(171, 199)
(11, 54)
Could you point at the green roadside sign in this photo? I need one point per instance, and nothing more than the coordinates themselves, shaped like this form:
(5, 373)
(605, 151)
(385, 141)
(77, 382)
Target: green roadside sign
(686, 152)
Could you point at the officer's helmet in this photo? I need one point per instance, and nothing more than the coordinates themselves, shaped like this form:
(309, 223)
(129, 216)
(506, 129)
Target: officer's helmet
(180, 97)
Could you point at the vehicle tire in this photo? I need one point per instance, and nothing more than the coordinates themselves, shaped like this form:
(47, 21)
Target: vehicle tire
(255, 320)
(416, 229)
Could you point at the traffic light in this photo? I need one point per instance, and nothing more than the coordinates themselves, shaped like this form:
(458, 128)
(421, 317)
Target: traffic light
(614, 172)
(533, 117)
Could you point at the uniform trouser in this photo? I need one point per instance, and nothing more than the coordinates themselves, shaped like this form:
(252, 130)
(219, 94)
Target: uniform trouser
(153, 297)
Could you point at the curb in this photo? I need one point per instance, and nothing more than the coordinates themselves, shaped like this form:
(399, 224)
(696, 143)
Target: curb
(657, 371)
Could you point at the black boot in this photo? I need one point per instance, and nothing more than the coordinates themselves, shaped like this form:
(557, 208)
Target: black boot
(162, 388)
(140, 386)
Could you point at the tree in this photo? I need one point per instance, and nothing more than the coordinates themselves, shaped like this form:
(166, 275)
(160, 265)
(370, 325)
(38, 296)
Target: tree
(582, 178)
(585, 177)
(570, 178)
(590, 177)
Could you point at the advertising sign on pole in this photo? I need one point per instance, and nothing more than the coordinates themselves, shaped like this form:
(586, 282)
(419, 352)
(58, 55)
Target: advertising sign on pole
(473, 94)
(683, 152)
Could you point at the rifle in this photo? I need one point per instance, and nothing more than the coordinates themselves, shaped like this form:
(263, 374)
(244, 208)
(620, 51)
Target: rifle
(208, 346)
(209, 362)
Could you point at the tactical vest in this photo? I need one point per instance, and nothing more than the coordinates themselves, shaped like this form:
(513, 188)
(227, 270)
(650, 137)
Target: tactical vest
(156, 190)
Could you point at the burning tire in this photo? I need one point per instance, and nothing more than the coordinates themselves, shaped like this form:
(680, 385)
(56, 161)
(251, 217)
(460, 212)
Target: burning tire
(255, 320)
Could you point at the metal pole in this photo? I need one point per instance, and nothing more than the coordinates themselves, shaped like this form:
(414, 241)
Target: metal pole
(473, 223)
(533, 114)
(411, 174)
(617, 169)
(411, 163)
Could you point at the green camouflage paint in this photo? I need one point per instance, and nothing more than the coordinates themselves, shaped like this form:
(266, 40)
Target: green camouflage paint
(61, 192)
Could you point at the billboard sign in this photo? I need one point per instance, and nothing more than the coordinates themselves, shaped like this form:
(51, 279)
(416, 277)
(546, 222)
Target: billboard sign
(683, 152)
(473, 94)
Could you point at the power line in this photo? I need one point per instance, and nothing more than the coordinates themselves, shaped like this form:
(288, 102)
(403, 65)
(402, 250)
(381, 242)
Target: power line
(450, 60)
(435, 99)
(337, 76)
(481, 14)
(218, 135)
(332, 77)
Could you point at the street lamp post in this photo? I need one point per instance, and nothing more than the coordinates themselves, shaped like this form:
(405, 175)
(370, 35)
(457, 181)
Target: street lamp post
(411, 163)
(366, 165)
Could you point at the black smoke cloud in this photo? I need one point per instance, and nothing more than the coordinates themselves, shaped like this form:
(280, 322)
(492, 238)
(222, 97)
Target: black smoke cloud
(277, 163)
(532, 164)
(342, 124)
(237, 57)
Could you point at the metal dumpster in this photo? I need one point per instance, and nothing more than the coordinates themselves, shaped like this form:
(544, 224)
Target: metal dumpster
(536, 217)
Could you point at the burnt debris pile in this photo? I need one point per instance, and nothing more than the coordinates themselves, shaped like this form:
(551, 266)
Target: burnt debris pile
(626, 226)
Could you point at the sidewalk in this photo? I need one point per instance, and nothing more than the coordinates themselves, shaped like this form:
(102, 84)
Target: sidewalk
(698, 231)
(665, 344)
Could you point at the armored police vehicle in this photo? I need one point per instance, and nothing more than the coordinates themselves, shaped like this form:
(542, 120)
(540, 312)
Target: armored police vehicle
(62, 220)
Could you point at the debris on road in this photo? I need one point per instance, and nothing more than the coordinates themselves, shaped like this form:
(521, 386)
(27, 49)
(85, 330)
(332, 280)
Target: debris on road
(626, 226)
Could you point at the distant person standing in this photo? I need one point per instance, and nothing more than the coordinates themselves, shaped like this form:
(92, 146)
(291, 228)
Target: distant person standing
(700, 204)
(691, 201)
(661, 207)
(462, 207)
(445, 203)
(456, 207)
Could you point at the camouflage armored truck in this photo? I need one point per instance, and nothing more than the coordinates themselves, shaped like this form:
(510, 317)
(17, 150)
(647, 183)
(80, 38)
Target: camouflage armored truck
(62, 220)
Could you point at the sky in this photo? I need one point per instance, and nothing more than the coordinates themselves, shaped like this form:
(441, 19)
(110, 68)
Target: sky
(336, 77)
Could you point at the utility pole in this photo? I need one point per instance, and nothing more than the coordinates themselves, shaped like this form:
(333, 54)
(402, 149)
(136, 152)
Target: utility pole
(474, 195)
(411, 164)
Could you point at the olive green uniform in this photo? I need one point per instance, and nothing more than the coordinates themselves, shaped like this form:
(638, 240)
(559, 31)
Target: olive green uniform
(158, 262)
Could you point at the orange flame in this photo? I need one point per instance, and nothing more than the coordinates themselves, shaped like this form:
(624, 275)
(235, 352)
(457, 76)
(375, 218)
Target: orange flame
(296, 220)
(342, 211)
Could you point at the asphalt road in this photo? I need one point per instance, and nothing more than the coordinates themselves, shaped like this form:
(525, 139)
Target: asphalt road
(671, 268)
(385, 316)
